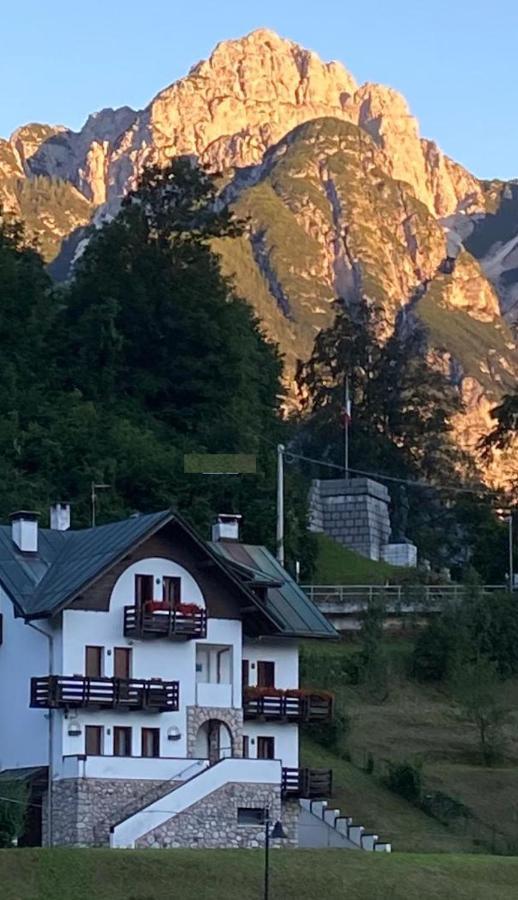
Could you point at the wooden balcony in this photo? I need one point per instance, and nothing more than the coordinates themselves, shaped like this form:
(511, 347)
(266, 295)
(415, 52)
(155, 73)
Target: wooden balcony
(63, 692)
(310, 784)
(164, 623)
(286, 706)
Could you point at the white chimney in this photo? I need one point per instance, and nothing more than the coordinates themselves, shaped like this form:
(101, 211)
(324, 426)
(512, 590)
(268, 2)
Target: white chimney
(60, 516)
(226, 527)
(24, 530)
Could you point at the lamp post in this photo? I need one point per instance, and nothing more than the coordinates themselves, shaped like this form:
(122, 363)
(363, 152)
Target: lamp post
(278, 833)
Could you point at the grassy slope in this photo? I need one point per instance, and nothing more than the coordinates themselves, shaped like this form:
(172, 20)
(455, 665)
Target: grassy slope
(237, 874)
(361, 796)
(338, 565)
(420, 723)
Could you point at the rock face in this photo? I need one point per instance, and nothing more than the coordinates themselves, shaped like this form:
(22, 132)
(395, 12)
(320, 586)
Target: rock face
(229, 110)
(340, 192)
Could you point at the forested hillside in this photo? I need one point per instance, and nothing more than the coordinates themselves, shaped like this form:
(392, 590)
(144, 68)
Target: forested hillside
(149, 354)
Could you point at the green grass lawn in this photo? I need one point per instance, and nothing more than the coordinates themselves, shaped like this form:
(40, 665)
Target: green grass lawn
(378, 809)
(237, 875)
(419, 723)
(339, 565)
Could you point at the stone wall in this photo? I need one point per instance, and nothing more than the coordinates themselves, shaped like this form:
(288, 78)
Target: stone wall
(354, 512)
(213, 821)
(198, 715)
(85, 808)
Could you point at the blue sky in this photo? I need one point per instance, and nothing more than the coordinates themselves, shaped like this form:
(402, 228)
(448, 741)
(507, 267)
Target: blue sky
(455, 62)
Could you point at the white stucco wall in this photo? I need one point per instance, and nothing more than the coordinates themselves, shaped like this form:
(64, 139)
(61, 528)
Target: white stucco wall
(286, 740)
(285, 656)
(23, 653)
(160, 658)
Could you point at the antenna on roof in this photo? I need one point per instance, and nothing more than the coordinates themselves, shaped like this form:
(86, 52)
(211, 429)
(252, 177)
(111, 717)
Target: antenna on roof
(93, 497)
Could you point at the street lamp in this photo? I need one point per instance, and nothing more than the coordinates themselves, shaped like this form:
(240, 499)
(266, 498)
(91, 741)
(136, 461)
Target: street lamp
(277, 833)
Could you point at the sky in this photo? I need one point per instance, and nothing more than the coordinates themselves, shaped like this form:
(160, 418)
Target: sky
(455, 62)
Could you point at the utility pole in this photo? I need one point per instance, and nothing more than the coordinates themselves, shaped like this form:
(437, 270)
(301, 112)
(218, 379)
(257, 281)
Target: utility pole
(93, 497)
(347, 417)
(280, 504)
(511, 555)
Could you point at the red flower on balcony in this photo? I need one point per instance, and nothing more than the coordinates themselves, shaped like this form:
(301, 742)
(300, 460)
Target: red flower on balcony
(255, 693)
(186, 609)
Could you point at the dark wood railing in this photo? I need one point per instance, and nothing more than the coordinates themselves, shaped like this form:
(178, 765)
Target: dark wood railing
(306, 706)
(307, 783)
(169, 623)
(63, 692)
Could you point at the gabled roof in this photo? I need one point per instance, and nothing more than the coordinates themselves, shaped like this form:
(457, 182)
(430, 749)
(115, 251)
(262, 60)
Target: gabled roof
(67, 561)
(293, 611)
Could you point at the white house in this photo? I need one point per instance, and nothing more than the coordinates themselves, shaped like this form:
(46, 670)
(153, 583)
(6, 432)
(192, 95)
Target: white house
(149, 682)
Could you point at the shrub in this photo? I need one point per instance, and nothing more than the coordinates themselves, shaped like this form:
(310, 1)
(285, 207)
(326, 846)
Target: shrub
(478, 691)
(434, 650)
(13, 809)
(405, 779)
(332, 735)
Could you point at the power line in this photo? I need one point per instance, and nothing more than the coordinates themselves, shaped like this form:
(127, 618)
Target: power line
(423, 485)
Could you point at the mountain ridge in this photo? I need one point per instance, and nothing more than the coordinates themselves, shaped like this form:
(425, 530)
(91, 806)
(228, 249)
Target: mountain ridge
(339, 191)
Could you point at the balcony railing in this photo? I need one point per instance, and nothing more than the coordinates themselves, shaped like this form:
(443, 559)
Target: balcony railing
(63, 692)
(169, 623)
(300, 706)
(307, 783)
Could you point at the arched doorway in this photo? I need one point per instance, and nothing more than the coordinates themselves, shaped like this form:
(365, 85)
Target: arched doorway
(213, 741)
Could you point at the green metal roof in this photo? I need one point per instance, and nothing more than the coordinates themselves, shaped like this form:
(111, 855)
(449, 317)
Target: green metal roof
(67, 561)
(293, 611)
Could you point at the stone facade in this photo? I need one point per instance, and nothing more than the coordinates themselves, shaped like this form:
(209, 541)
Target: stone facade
(85, 808)
(213, 821)
(199, 715)
(354, 512)
(403, 554)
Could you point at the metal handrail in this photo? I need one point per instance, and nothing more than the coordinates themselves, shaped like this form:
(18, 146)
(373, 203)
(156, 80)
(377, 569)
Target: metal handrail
(398, 594)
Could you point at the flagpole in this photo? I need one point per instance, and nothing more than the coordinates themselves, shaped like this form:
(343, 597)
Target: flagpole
(347, 407)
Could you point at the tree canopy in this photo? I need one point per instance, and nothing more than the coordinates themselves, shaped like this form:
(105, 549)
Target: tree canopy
(146, 355)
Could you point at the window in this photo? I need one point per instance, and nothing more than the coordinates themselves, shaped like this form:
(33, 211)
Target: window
(151, 742)
(122, 662)
(265, 748)
(121, 741)
(265, 674)
(143, 589)
(171, 590)
(250, 816)
(245, 673)
(246, 746)
(94, 740)
(94, 662)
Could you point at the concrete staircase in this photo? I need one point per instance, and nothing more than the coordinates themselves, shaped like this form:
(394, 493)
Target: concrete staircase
(155, 813)
(320, 826)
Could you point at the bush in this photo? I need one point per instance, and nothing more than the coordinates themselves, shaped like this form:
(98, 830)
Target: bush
(479, 627)
(434, 650)
(13, 809)
(332, 735)
(405, 779)
(478, 691)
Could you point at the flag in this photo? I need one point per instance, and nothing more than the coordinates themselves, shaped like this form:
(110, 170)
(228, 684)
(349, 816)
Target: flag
(345, 414)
